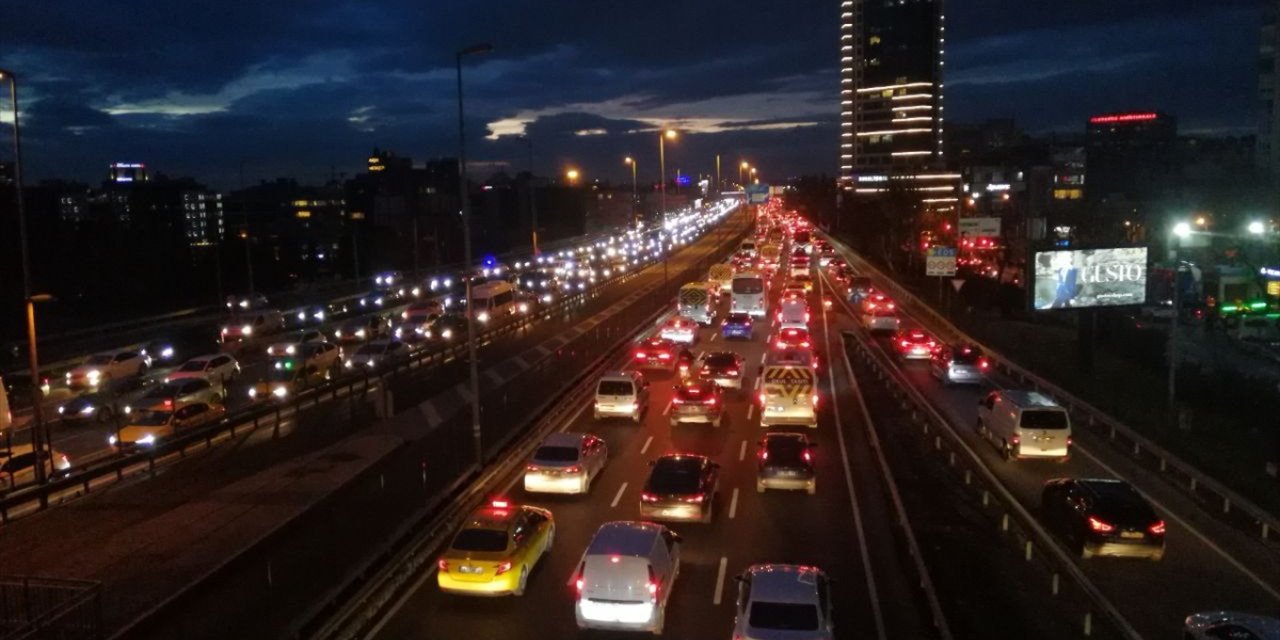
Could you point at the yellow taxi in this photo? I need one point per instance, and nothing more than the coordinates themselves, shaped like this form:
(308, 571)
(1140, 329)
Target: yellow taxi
(800, 282)
(496, 550)
(147, 427)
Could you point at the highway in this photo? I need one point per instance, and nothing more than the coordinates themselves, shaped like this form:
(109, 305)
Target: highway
(1207, 565)
(844, 528)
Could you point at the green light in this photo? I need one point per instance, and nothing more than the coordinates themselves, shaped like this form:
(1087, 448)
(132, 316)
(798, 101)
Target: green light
(1231, 308)
(1257, 305)
(288, 364)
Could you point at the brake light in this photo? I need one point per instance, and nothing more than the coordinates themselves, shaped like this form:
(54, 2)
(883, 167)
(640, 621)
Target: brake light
(640, 355)
(1157, 528)
(648, 497)
(764, 455)
(664, 356)
(815, 401)
(905, 344)
(808, 455)
(731, 372)
(983, 363)
(579, 584)
(677, 400)
(779, 344)
(711, 401)
(574, 469)
(762, 398)
(695, 499)
(442, 565)
(1099, 525)
(805, 344)
(500, 504)
(806, 316)
(532, 467)
(502, 568)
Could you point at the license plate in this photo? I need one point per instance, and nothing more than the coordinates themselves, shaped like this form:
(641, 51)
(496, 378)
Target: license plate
(472, 570)
(1131, 534)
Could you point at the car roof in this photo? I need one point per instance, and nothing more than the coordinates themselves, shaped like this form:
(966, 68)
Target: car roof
(1268, 628)
(1112, 491)
(624, 538)
(619, 376)
(1025, 398)
(490, 517)
(784, 583)
(564, 439)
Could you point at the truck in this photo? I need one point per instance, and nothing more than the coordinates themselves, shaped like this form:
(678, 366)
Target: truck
(694, 302)
(788, 396)
(720, 277)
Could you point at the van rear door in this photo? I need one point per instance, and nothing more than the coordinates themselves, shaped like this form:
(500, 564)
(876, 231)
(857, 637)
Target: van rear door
(616, 579)
(1044, 430)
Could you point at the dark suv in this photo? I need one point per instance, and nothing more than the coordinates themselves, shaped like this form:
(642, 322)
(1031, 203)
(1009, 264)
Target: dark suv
(1103, 518)
(697, 401)
(785, 461)
(680, 486)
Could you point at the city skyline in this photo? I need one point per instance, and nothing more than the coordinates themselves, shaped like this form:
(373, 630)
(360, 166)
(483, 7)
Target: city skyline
(308, 96)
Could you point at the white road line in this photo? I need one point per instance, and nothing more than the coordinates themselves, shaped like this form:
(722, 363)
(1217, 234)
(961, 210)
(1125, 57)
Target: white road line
(648, 441)
(751, 410)
(713, 337)
(742, 451)
(872, 593)
(733, 504)
(1185, 525)
(618, 497)
(724, 564)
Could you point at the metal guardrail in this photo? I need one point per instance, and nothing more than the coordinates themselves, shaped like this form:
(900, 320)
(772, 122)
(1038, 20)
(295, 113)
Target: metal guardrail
(1015, 517)
(34, 608)
(1232, 507)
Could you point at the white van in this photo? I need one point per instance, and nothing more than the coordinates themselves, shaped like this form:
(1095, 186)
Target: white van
(622, 394)
(748, 247)
(747, 294)
(492, 300)
(793, 312)
(625, 578)
(1025, 424)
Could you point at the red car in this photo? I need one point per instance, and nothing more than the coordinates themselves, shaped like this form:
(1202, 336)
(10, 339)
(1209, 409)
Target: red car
(791, 338)
(656, 352)
(914, 344)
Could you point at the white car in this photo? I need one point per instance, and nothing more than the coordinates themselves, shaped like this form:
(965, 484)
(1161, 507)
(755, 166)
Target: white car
(679, 329)
(101, 367)
(566, 463)
(1229, 625)
(783, 601)
(882, 318)
(293, 344)
(219, 369)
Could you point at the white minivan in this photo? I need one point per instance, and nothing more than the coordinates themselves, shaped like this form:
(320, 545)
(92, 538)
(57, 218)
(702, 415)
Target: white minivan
(621, 394)
(1025, 424)
(625, 578)
(793, 313)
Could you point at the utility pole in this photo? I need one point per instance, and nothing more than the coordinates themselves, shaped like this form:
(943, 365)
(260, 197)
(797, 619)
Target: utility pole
(533, 197)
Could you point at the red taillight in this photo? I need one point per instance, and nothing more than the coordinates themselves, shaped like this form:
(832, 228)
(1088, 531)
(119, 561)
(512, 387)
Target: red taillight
(1015, 439)
(684, 368)
(764, 455)
(532, 467)
(779, 344)
(983, 364)
(1100, 526)
(442, 565)
(500, 504)
(730, 372)
(664, 356)
(808, 455)
(905, 344)
(653, 589)
(677, 400)
(648, 497)
(579, 584)
(711, 401)
(806, 316)
(502, 568)
(574, 469)
(815, 401)
(805, 344)
(694, 499)
(640, 355)
(762, 398)
(1157, 528)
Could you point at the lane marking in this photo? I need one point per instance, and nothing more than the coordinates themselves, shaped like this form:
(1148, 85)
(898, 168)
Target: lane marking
(733, 504)
(618, 497)
(724, 565)
(872, 593)
(648, 441)
(751, 410)
(742, 451)
(713, 337)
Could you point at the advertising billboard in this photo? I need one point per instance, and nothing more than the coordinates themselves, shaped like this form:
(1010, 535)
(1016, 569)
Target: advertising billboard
(1082, 278)
(979, 227)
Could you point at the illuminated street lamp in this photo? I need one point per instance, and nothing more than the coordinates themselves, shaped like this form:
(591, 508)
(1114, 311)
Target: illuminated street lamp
(1257, 227)
(635, 191)
(1182, 229)
(572, 175)
(662, 162)
(742, 168)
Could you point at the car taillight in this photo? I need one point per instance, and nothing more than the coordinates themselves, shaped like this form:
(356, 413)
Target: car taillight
(779, 344)
(664, 356)
(762, 398)
(905, 344)
(532, 467)
(764, 455)
(711, 401)
(808, 455)
(805, 344)
(502, 568)
(442, 565)
(1100, 526)
(648, 497)
(730, 372)
(579, 584)
(640, 355)
(1157, 528)
(695, 499)
(574, 469)
(1015, 439)
(983, 363)
(815, 401)
(677, 400)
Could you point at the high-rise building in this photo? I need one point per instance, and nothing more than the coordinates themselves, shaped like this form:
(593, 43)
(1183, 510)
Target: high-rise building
(205, 225)
(891, 105)
(1268, 156)
(1130, 155)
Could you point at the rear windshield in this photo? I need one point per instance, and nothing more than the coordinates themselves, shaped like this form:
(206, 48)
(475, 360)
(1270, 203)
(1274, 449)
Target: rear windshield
(748, 285)
(1043, 419)
(960, 357)
(681, 477)
(721, 360)
(556, 454)
(194, 365)
(98, 360)
(784, 450)
(784, 615)
(480, 540)
(614, 388)
(738, 318)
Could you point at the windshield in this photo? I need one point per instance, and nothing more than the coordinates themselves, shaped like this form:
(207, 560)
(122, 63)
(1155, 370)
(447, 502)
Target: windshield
(98, 360)
(480, 540)
(614, 388)
(149, 418)
(961, 357)
(784, 451)
(738, 318)
(671, 477)
(194, 365)
(721, 360)
(281, 375)
(784, 615)
(748, 285)
(556, 454)
(1043, 419)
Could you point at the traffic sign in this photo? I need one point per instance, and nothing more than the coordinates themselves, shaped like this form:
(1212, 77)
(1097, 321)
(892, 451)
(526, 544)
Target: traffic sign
(957, 283)
(940, 261)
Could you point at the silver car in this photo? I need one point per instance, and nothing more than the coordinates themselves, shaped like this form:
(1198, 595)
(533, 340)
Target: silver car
(566, 463)
(783, 601)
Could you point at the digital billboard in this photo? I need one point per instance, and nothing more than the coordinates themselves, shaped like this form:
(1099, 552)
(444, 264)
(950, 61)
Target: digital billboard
(1083, 278)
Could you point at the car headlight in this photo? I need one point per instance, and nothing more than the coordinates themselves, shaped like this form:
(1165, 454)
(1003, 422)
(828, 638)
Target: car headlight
(320, 316)
(253, 392)
(360, 333)
(302, 316)
(68, 376)
(446, 334)
(246, 330)
(166, 353)
(87, 411)
(279, 392)
(148, 439)
(128, 409)
(94, 375)
(483, 316)
(112, 440)
(337, 333)
(348, 364)
(524, 307)
(291, 350)
(61, 410)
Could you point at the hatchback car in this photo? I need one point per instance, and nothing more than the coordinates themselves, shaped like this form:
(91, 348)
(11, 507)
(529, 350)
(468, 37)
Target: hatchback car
(721, 367)
(103, 367)
(496, 549)
(791, 338)
(737, 325)
(783, 601)
(656, 352)
(914, 344)
(566, 463)
(881, 318)
(680, 486)
(19, 466)
(219, 369)
(679, 329)
(99, 406)
(785, 461)
(150, 426)
(959, 364)
(1103, 518)
(185, 390)
(290, 345)
(697, 401)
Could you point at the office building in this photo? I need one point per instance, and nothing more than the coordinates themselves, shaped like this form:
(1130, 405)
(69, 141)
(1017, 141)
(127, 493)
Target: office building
(205, 224)
(1130, 156)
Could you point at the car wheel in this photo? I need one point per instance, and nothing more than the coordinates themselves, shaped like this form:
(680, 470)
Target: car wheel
(524, 582)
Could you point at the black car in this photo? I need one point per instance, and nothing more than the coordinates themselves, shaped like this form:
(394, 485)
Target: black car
(680, 486)
(451, 326)
(785, 461)
(1103, 518)
(96, 406)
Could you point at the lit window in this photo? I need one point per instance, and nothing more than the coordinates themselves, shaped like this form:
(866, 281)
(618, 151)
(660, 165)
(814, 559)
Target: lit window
(873, 40)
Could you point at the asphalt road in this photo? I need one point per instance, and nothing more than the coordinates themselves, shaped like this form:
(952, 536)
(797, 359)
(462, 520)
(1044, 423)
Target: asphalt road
(1207, 565)
(844, 528)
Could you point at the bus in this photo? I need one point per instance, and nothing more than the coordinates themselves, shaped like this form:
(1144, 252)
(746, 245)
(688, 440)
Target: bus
(748, 294)
(492, 300)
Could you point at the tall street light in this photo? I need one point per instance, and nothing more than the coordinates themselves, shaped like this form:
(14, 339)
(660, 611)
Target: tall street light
(533, 197)
(742, 168)
(572, 175)
(38, 436)
(662, 163)
(635, 189)
(1181, 231)
(466, 252)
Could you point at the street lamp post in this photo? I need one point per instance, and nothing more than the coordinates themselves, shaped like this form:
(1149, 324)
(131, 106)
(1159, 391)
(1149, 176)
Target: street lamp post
(635, 189)
(38, 435)
(533, 198)
(718, 185)
(662, 164)
(466, 251)
(1180, 230)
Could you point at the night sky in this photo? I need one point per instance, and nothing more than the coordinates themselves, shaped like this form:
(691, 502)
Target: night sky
(308, 89)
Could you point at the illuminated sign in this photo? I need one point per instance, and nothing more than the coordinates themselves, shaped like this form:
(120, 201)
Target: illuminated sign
(303, 214)
(1269, 272)
(1124, 117)
(1073, 279)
